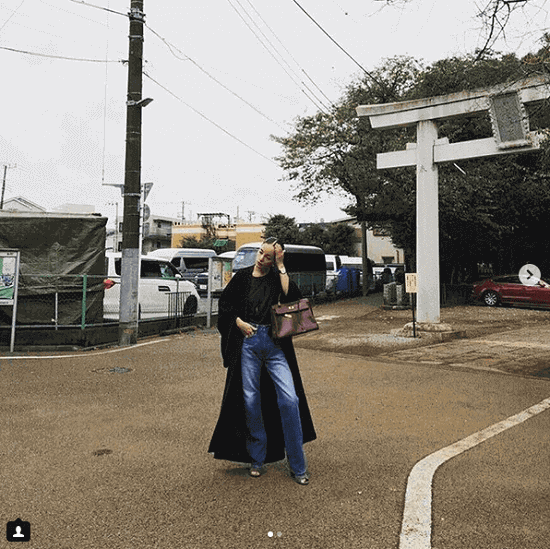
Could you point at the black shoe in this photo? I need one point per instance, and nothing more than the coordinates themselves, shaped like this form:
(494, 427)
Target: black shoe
(255, 472)
(303, 480)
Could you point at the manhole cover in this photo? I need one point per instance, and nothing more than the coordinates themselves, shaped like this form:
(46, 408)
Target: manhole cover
(102, 452)
(115, 370)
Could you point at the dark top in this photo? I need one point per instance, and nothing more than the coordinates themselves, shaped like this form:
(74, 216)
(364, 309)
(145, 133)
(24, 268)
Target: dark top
(259, 300)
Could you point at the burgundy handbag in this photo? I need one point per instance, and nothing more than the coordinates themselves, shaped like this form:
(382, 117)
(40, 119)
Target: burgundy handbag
(290, 319)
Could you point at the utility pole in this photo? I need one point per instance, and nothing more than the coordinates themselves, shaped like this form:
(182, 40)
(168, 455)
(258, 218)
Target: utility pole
(132, 181)
(365, 255)
(4, 184)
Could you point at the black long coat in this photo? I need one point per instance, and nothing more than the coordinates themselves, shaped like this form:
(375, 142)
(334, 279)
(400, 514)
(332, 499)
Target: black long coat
(229, 438)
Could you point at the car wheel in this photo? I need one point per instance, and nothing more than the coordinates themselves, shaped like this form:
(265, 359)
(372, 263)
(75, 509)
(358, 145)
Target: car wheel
(191, 306)
(491, 298)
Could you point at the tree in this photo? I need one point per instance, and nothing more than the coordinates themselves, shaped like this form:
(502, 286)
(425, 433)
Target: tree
(336, 152)
(314, 235)
(335, 239)
(495, 16)
(486, 206)
(193, 242)
(340, 239)
(282, 227)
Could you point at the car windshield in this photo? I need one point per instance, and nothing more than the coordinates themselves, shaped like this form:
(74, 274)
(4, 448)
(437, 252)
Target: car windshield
(244, 258)
(196, 263)
(151, 269)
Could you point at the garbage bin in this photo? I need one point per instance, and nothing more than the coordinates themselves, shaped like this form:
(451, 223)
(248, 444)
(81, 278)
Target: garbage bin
(343, 284)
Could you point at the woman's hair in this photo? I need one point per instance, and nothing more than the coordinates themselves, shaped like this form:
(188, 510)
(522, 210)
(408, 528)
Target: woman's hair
(273, 240)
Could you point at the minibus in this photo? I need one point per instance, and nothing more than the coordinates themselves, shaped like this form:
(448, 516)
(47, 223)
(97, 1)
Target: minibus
(305, 265)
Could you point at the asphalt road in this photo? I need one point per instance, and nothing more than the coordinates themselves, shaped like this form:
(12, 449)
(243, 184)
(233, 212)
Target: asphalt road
(108, 449)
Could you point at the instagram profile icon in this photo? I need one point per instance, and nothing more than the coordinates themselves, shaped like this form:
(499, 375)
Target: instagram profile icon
(18, 530)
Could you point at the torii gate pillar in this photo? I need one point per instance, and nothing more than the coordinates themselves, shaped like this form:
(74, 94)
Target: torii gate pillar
(427, 225)
(505, 104)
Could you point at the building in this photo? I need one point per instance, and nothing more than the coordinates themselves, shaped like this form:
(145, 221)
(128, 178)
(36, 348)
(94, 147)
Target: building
(157, 233)
(230, 236)
(380, 248)
(20, 204)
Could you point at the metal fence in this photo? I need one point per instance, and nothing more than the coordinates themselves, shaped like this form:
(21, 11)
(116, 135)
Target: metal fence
(81, 301)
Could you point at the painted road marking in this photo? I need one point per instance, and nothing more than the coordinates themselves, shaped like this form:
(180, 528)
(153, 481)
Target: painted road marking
(89, 353)
(416, 528)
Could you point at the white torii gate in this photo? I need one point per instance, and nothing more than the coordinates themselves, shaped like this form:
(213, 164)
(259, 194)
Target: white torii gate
(511, 134)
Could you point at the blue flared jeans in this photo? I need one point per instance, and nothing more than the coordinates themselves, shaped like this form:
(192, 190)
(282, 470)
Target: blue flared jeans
(261, 351)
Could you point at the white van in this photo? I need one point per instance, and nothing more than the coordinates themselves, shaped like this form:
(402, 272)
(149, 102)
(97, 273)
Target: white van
(334, 263)
(189, 261)
(160, 293)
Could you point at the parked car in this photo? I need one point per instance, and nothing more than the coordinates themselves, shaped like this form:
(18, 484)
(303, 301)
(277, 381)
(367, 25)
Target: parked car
(189, 261)
(158, 284)
(510, 289)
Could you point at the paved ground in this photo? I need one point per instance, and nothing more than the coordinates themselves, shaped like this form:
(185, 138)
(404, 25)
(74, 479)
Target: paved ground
(108, 448)
(504, 339)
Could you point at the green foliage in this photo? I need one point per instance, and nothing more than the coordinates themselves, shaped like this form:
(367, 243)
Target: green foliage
(491, 210)
(335, 152)
(340, 240)
(284, 228)
(334, 239)
(192, 242)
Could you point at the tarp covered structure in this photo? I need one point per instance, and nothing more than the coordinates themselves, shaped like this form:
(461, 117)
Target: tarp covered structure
(56, 251)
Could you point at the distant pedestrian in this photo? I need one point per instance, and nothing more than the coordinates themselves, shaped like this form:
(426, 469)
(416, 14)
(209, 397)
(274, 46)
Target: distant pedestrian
(264, 410)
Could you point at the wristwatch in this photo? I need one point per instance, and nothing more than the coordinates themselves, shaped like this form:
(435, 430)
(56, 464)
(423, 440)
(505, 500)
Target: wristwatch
(283, 272)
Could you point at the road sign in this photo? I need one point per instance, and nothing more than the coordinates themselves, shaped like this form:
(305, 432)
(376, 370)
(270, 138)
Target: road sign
(146, 190)
(411, 283)
(146, 212)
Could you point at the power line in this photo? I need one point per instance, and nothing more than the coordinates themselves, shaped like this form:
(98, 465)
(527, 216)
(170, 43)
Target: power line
(72, 13)
(334, 41)
(12, 14)
(317, 102)
(99, 7)
(186, 57)
(62, 57)
(105, 103)
(208, 119)
(288, 52)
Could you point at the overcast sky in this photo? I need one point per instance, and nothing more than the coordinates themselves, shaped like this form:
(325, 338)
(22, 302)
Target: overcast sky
(218, 93)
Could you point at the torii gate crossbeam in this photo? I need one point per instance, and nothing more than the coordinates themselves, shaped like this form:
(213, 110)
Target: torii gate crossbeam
(505, 104)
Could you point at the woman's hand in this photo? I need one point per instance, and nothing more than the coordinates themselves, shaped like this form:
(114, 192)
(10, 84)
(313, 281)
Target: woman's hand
(279, 261)
(246, 329)
(279, 256)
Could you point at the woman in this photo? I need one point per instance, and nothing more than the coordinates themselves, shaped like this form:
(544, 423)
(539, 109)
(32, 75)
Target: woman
(264, 409)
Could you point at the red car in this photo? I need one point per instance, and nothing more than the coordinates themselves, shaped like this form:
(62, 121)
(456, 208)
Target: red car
(509, 289)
